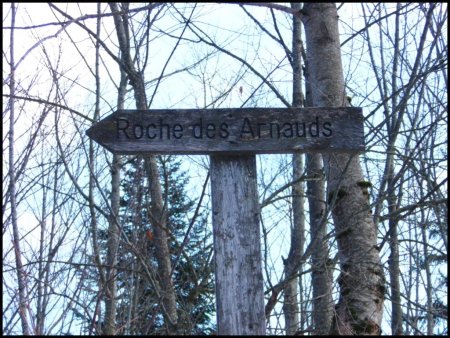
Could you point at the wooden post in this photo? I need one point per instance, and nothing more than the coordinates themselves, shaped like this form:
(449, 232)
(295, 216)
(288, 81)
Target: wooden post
(237, 249)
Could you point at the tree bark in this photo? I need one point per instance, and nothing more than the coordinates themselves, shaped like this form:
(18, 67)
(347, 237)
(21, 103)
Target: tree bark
(321, 274)
(237, 250)
(361, 281)
(113, 246)
(394, 257)
(157, 213)
(113, 230)
(292, 264)
(160, 231)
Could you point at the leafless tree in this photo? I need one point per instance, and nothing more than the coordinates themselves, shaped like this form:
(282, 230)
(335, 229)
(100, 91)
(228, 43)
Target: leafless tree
(77, 257)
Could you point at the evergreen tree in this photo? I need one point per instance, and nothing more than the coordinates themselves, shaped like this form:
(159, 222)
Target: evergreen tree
(191, 253)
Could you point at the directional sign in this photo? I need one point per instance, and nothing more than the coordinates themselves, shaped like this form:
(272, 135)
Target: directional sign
(233, 131)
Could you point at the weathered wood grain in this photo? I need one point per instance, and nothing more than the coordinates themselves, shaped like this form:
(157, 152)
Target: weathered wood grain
(231, 131)
(237, 249)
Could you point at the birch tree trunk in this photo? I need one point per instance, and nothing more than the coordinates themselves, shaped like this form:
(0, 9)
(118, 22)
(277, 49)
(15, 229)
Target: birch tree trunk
(321, 274)
(237, 249)
(361, 281)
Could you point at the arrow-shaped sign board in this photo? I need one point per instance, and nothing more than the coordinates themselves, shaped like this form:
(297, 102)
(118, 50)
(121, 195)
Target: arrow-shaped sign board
(233, 131)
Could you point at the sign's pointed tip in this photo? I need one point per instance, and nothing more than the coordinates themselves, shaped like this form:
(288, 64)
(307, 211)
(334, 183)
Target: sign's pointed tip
(93, 133)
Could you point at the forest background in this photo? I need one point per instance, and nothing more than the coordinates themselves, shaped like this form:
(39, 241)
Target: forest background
(83, 250)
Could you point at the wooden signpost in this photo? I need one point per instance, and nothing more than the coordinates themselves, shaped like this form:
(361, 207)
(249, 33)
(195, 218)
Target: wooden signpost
(232, 131)
(232, 137)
